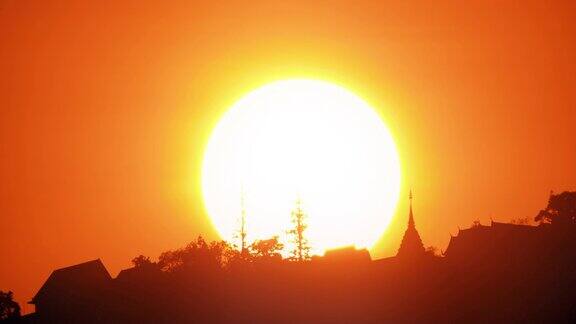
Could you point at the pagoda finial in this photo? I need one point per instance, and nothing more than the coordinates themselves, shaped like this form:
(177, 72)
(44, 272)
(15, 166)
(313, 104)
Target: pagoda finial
(411, 215)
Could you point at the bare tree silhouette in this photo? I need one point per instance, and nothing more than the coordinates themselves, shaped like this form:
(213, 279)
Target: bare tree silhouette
(301, 249)
(242, 233)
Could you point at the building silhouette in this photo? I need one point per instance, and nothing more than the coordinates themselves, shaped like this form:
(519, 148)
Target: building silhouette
(80, 287)
(347, 254)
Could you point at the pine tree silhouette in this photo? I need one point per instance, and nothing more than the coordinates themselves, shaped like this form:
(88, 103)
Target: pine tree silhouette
(301, 251)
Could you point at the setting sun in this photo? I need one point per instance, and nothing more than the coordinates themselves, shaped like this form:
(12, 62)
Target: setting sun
(308, 140)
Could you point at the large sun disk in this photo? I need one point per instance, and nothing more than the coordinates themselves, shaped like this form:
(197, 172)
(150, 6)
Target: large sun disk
(307, 140)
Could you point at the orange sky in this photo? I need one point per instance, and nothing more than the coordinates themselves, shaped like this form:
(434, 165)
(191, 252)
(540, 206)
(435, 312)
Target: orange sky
(106, 108)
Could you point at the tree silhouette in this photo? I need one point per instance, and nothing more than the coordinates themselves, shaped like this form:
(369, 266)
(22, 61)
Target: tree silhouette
(561, 209)
(242, 231)
(267, 249)
(520, 221)
(9, 309)
(142, 261)
(197, 254)
(432, 251)
(301, 249)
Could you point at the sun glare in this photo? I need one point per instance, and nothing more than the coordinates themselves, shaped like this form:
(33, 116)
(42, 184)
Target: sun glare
(308, 140)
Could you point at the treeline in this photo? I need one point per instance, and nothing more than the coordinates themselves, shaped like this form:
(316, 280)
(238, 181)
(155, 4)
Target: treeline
(215, 255)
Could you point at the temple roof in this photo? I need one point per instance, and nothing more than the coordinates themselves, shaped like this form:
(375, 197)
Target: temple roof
(490, 237)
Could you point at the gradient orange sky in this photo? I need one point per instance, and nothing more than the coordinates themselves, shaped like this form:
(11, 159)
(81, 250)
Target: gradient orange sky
(106, 108)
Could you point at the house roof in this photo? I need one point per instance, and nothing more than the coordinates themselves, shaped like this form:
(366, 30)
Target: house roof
(74, 279)
(347, 253)
(138, 274)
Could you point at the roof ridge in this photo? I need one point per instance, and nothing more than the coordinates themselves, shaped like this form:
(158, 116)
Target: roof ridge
(80, 265)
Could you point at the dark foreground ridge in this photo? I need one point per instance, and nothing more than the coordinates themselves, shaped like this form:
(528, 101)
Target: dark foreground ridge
(498, 273)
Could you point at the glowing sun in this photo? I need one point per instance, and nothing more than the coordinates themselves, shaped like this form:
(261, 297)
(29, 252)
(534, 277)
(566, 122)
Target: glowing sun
(308, 140)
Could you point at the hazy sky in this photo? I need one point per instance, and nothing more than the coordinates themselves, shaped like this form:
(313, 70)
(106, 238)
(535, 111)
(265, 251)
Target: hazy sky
(106, 107)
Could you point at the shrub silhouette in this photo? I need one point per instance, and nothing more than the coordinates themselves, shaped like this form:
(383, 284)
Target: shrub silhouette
(9, 309)
(142, 261)
(198, 254)
(267, 249)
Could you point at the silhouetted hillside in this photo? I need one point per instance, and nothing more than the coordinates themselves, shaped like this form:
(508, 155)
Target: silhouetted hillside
(499, 273)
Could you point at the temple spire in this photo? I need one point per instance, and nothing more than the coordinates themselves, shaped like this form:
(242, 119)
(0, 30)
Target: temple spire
(411, 245)
(411, 215)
